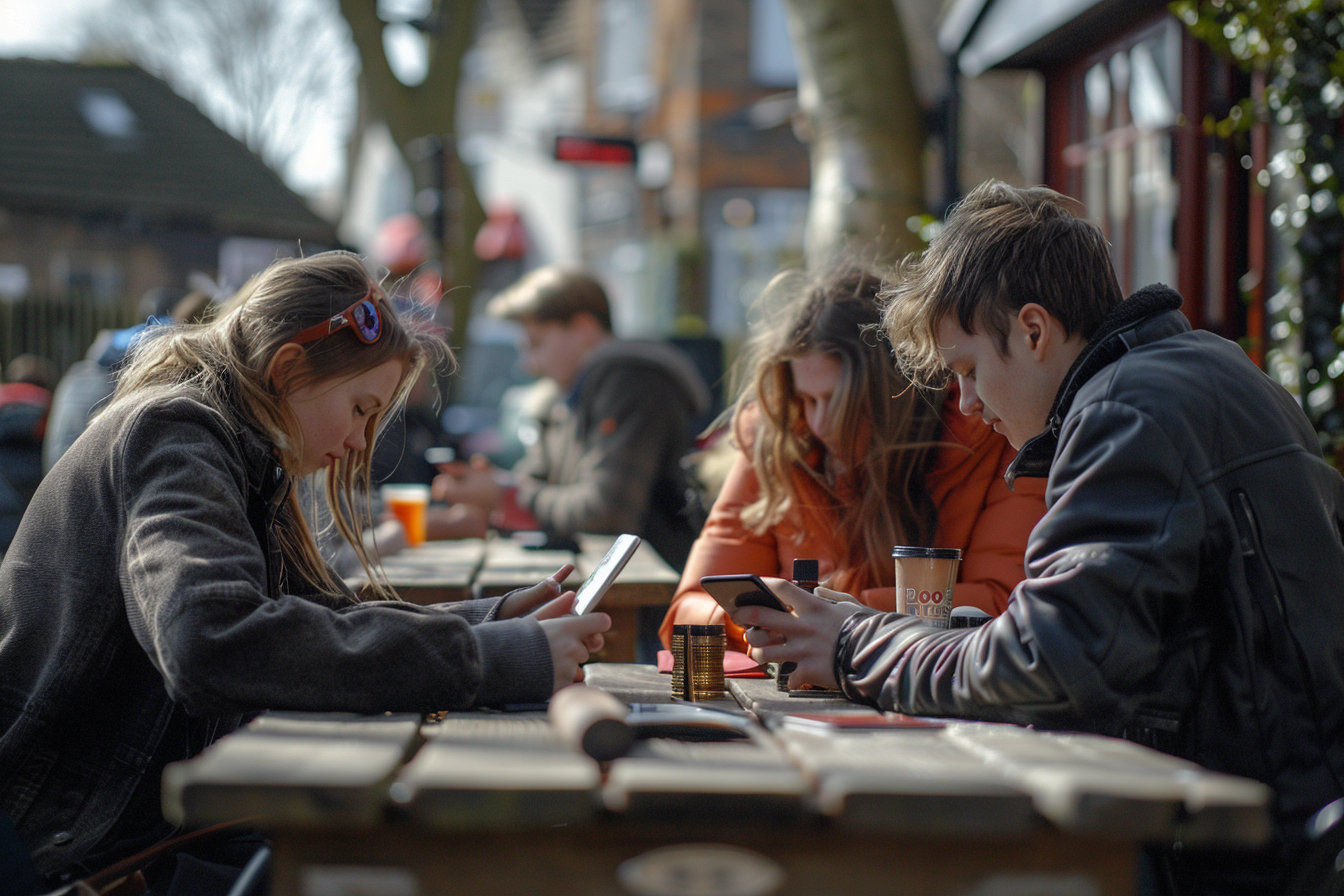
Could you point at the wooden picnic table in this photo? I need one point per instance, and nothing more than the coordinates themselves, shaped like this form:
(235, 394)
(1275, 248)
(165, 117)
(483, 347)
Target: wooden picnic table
(442, 571)
(489, 802)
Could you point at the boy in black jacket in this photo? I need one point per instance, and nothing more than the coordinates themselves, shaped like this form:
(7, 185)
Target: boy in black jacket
(1182, 587)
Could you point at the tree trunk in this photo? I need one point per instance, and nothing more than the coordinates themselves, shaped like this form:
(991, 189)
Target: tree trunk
(858, 97)
(429, 109)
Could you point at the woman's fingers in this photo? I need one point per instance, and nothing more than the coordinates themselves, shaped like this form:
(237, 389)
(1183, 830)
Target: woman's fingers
(568, 637)
(554, 609)
(764, 617)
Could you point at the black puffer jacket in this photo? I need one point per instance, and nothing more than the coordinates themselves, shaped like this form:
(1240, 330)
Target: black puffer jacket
(1185, 587)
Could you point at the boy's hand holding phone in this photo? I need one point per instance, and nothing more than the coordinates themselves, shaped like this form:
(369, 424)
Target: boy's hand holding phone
(806, 636)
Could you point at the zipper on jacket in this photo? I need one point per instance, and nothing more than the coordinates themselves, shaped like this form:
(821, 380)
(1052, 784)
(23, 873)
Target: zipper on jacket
(1248, 536)
(1258, 567)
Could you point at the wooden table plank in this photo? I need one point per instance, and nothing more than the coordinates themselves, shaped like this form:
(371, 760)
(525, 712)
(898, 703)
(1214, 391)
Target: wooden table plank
(647, 579)
(696, 856)
(767, 702)
(911, 781)
(509, 565)
(673, 781)
(506, 770)
(294, 769)
(434, 572)
(1096, 784)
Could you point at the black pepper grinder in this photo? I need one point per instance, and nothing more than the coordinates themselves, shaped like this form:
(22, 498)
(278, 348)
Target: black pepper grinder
(805, 576)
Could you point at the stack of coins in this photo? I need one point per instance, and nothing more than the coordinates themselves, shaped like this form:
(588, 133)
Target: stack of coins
(697, 662)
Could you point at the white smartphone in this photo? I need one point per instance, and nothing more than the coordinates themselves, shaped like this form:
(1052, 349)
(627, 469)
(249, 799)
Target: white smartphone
(600, 579)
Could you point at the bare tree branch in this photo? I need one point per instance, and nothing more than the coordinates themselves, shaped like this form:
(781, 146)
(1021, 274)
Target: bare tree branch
(266, 71)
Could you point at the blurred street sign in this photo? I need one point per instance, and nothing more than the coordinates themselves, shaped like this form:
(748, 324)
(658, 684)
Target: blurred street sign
(595, 150)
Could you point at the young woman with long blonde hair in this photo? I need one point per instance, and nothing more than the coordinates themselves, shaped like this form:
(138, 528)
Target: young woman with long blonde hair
(164, 586)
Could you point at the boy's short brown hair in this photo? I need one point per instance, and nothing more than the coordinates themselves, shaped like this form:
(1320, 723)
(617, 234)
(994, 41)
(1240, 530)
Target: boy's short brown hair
(553, 293)
(1000, 248)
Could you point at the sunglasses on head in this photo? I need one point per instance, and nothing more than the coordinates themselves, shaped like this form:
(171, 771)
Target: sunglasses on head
(363, 317)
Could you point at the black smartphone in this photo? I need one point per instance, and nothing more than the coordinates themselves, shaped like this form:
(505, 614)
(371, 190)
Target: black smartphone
(742, 590)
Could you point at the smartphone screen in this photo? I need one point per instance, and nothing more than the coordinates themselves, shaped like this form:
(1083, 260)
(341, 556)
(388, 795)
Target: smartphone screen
(744, 590)
(600, 579)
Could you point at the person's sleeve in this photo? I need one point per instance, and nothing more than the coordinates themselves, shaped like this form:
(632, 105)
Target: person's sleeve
(636, 417)
(195, 579)
(993, 562)
(724, 547)
(1114, 560)
(484, 609)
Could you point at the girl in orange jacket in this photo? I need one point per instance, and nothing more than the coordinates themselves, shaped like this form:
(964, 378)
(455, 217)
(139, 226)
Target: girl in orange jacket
(840, 459)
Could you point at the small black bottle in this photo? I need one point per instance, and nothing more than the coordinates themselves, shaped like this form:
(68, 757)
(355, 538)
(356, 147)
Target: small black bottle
(805, 575)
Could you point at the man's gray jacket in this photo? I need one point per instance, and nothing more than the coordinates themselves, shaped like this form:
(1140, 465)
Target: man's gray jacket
(608, 458)
(1185, 587)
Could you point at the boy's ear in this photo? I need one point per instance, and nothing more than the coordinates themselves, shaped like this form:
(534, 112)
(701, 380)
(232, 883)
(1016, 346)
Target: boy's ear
(282, 366)
(1039, 330)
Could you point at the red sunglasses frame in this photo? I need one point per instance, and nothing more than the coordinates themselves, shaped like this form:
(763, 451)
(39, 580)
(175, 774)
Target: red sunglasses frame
(347, 318)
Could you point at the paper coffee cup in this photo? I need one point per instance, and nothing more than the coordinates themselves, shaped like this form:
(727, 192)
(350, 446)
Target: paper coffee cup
(409, 504)
(924, 581)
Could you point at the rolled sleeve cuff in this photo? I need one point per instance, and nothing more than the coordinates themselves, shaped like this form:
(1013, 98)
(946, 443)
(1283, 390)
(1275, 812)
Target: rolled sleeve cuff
(515, 662)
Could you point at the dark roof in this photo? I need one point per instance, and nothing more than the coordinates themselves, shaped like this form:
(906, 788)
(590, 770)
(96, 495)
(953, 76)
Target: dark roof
(986, 34)
(113, 139)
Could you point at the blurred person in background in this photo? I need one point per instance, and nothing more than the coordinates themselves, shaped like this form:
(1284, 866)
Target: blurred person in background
(88, 384)
(839, 459)
(25, 403)
(607, 455)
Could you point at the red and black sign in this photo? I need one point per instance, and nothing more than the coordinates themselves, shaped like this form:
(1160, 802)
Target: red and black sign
(595, 150)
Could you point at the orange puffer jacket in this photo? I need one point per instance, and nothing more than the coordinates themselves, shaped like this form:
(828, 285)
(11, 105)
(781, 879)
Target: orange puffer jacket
(976, 512)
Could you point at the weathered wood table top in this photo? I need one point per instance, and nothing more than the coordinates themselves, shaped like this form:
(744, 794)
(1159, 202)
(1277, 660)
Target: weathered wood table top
(489, 802)
(443, 571)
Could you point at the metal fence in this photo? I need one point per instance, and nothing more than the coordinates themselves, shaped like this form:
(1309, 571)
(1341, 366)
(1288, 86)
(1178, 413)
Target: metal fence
(59, 328)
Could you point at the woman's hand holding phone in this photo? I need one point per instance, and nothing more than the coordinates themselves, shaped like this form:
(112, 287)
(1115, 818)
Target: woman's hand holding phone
(522, 601)
(807, 636)
(573, 639)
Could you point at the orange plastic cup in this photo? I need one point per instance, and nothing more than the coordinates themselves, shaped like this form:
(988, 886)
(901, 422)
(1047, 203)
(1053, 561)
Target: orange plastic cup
(409, 504)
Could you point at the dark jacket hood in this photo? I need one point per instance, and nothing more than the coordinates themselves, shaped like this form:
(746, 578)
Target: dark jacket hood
(1150, 314)
(669, 358)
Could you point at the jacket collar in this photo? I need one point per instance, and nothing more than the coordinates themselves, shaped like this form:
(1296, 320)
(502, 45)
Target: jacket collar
(265, 476)
(1144, 317)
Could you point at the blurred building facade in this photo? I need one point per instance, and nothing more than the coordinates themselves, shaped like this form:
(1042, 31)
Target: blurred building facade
(712, 199)
(114, 185)
(1127, 92)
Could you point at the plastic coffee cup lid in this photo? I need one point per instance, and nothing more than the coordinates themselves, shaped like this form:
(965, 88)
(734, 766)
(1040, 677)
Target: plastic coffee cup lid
(904, 550)
(697, 630)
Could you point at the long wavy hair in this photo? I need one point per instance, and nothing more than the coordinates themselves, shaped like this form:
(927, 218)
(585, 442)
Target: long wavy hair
(859, 505)
(225, 364)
